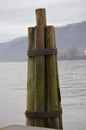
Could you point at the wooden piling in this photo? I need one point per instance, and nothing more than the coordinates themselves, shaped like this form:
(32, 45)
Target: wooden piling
(31, 77)
(41, 17)
(39, 74)
(51, 76)
(43, 92)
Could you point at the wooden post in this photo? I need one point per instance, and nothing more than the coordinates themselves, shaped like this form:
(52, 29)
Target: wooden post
(43, 92)
(31, 77)
(40, 73)
(53, 101)
(41, 21)
(41, 17)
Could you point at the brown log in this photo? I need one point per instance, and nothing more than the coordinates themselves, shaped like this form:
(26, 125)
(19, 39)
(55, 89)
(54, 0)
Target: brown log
(53, 101)
(41, 17)
(31, 77)
(39, 73)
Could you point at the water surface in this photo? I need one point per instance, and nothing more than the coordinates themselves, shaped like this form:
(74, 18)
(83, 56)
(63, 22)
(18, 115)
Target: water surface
(13, 82)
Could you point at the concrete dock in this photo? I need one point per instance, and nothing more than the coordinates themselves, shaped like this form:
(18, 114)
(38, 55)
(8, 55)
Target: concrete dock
(22, 127)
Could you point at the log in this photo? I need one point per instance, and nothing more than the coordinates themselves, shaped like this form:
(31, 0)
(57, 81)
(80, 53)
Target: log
(39, 74)
(31, 77)
(53, 101)
(41, 17)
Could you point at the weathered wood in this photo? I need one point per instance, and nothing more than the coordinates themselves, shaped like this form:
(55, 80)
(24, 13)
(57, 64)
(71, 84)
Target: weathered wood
(39, 73)
(53, 100)
(43, 92)
(31, 77)
(41, 17)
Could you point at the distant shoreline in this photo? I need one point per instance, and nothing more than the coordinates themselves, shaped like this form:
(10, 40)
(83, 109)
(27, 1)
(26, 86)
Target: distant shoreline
(58, 60)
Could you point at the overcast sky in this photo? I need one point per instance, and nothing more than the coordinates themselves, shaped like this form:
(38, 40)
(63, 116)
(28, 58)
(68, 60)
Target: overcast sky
(17, 15)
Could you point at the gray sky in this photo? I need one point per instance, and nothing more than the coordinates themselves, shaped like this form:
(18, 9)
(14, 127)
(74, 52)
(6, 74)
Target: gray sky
(17, 15)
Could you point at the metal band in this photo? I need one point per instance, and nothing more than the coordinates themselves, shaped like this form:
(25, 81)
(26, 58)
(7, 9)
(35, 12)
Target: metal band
(42, 52)
(42, 115)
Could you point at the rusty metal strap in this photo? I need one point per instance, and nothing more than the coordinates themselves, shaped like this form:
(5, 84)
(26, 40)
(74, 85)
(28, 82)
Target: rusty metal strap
(42, 52)
(42, 115)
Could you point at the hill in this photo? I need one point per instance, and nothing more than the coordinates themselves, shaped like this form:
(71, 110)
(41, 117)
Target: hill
(70, 40)
(15, 50)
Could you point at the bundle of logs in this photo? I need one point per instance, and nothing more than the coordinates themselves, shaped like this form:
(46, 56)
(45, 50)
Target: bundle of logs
(43, 92)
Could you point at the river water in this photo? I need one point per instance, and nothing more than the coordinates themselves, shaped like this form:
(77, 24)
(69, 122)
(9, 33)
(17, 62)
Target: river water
(13, 82)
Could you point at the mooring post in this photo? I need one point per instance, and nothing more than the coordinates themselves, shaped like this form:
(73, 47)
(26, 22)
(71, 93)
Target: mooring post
(41, 17)
(39, 74)
(31, 77)
(51, 76)
(43, 91)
